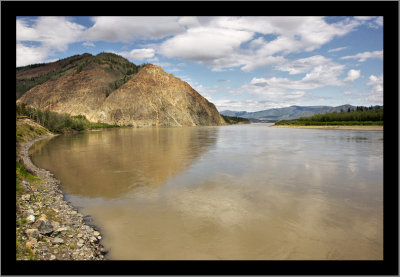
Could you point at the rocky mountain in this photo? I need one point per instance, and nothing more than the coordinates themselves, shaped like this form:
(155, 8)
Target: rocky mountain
(287, 113)
(110, 89)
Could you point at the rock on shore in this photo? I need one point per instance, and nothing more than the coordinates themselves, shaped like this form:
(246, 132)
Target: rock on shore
(48, 227)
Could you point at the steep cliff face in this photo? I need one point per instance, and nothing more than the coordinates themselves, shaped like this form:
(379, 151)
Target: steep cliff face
(107, 88)
(154, 98)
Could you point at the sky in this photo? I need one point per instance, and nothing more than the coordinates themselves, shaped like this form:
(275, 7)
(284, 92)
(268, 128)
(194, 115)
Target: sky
(237, 63)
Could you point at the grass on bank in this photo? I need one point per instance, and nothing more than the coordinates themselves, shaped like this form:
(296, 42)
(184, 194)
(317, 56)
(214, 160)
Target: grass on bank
(360, 117)
(27, 130)
(22, 251)
(59, 123)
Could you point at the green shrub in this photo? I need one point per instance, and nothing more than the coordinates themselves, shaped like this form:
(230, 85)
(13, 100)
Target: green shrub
(59, 123)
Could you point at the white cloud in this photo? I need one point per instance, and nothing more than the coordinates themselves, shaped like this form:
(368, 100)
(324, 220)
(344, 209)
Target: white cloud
(353, 75)
(297, 34)
(218, 41)
(127, 28)
(254, 62)
(189, 21)
(364, 18)
(317, 78)
(139, 54)
(204, 44)
(319, 72)
(88, 44)
(337, 49)
(375, 93)
(30, 55)
(374, 22)
(303, 65)
(51, 34)
(310, 30)
(244, 105)
(379, 21)
(362, 57)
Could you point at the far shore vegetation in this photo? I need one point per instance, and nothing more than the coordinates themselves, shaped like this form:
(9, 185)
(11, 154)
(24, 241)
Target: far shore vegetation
(235, 119)
(59, 123)
(361, 116)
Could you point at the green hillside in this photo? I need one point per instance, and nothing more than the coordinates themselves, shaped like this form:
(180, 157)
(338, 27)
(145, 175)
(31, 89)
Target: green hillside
(36, 74)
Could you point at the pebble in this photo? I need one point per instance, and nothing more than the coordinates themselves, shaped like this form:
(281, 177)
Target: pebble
(58, 240)
(30, 218)
(28, 244)
(62, 229)
(43, 217)
(46, 227)
(44, 235)
(33, 241)
(34, 233)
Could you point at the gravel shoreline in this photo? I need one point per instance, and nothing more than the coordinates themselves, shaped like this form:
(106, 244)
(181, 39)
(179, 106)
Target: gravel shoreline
(52, 229)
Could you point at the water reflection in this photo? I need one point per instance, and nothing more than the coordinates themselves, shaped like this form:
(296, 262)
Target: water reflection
(110, 163)
(231, 192)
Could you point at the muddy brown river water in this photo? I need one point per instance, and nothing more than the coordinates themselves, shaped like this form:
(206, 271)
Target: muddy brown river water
(230, 192)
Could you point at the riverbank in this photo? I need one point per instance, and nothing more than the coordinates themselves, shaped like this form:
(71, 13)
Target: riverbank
(48, 227)
(356, 128)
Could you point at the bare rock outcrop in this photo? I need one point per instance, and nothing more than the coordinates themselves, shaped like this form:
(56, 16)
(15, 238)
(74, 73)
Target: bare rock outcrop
(156, 98)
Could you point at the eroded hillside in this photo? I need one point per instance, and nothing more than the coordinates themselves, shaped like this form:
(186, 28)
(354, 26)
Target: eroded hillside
(108, 88)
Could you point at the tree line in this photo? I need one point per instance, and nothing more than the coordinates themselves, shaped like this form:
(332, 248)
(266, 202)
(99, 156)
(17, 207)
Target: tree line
(359, 116)
(57, 122)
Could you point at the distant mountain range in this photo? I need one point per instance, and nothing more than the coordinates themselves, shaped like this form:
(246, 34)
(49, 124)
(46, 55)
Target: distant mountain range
(292, 112)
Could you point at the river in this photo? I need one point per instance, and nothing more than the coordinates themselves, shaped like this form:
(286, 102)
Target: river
(239, 192)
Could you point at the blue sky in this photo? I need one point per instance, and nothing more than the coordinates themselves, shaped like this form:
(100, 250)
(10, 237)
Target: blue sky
(237, 63)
